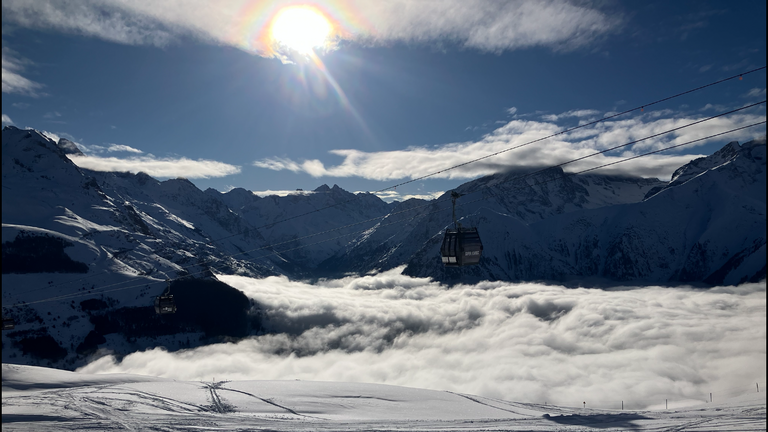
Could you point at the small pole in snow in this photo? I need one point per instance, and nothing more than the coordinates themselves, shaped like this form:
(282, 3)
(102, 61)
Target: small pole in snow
(585, 404)
(666, 404)
(622, 405)
(710, 397)
(757, 387)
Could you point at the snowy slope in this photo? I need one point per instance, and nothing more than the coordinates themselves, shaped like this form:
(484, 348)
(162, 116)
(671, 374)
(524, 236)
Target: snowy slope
(39, 399)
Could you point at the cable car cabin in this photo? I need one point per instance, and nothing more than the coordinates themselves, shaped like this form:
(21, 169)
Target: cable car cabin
(8, 323)
(164, 304)
(461, 247)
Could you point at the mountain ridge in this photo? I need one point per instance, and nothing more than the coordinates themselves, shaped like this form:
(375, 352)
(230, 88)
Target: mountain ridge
(342, 232)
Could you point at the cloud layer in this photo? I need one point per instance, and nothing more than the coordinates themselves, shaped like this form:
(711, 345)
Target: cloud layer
(169, 167)
(521, 342)
(157, 167)
(13, 82)
(478, 24)
(419, 161)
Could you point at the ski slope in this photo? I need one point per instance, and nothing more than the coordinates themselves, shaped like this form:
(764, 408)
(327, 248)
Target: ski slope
(42, 399)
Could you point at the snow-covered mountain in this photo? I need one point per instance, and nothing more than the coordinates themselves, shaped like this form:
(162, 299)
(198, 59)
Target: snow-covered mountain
(413, 230)
(84, 252)
(312, 225)
(169, 228)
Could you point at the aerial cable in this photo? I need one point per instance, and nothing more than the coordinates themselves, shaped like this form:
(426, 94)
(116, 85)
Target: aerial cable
(92, 275)
(517, 177)
(615, 162)
(640, 107)
(625, 144)
(101, 290)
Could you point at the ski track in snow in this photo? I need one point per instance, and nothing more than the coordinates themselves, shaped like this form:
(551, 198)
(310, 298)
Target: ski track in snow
(269, 402)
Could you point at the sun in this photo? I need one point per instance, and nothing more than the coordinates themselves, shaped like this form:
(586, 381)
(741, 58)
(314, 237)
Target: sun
(300, 28)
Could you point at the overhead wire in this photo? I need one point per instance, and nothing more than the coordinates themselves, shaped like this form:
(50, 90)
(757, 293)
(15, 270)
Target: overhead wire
(640, 107)
(610, 149)
(102, 290)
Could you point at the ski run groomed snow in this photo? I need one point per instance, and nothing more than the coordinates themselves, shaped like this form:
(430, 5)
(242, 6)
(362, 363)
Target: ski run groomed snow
(40, 399)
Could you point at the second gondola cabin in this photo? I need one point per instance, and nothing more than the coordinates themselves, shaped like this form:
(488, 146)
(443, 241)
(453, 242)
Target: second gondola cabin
(165, 304)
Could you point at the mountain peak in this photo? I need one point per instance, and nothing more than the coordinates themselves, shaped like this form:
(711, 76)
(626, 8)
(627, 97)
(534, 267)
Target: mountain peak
(701, 165)
(728, 151)
(69, 147)
(324, 188)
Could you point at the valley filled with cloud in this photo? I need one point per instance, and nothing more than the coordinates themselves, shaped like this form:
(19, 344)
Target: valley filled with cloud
(525, 342)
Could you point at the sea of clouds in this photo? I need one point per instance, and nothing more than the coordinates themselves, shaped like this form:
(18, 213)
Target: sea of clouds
(523, 342)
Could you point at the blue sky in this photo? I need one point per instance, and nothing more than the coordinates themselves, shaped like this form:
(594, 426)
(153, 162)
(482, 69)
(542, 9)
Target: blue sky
(400, 90)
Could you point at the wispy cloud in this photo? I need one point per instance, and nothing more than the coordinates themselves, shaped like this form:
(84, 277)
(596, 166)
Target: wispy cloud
(54, 117)
(520, 342)
(387, 196)
(478, 24)
(393, 195)
(286, 192)
(54, 136)
(169, 167)
(278, 164)
(158, 167)
(711, 107)
(111, 148)
(419, 161)
(756, 93)
(7, 120)
(115, 21)
(13, 82)
(122, 148)
(573, 113)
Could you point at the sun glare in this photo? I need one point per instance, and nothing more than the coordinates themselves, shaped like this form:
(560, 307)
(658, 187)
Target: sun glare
(300, 28)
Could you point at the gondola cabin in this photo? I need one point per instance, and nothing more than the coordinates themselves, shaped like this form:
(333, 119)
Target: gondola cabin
(165, 304)
(8, 323)
(461, 247)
